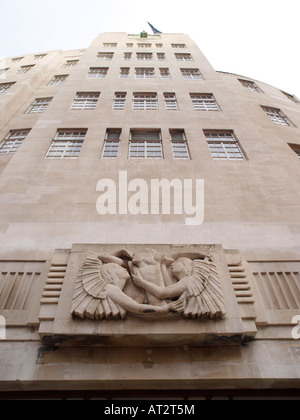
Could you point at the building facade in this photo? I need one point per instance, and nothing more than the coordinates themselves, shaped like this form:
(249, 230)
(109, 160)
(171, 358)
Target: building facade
(83, 135)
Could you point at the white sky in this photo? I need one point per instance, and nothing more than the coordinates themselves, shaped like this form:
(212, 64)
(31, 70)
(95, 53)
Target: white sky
(258, 39)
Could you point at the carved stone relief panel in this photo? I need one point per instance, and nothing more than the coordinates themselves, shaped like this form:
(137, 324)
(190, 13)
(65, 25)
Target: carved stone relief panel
(141, 294)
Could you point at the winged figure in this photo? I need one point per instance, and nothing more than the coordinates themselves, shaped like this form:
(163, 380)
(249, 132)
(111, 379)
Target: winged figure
(99, 292)
(196, 284)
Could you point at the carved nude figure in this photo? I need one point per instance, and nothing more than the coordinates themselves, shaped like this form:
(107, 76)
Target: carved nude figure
(99, 293)
(197, 286)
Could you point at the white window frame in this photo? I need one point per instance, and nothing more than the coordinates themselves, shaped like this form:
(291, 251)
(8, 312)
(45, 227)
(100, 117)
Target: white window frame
(5, 86)
(105, 56)
(171, 103)
(58, 80)
(24, 69)
(127, 56)
(161, 56)
(180, 46)
(85, 101)
(97, 73)
(144, 56)
(145, 102)
(2, 71)
(191, 74)
(291, 97)
(204, 102)
(146, 145)
(165, 73)
(223, 145)
(180, 147)
(277, 116)
(39, 56)
(144, 73)
(70, 63)
(39, 105)
(119, 101)
(68, 144)
(110, 44)
(250, 85)
(144, 45)
(124, 72)
(111, 144)
(13, 141)
(184, 57)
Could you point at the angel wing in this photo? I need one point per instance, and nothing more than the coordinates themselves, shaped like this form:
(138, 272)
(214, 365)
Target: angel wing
(90, 300)
(204, 297)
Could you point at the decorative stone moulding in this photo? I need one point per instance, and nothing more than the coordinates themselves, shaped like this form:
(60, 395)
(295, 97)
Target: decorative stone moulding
(145, 295)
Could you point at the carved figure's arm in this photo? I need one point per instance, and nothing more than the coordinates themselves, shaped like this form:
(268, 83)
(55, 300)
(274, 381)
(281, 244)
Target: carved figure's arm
(132, 306)
(161, 292)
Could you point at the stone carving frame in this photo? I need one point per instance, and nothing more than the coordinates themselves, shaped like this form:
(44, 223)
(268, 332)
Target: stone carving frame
(133, 330)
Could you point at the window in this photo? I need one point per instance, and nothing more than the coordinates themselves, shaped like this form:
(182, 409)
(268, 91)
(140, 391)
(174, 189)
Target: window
(291, 97)
(67, 144)
(145, 145)
(179, 144)
(296, 149)
(85, 101)
(224, 146)
(277, 116)
(124, 73)
(204, 102)
(5, 86)
(145, 102)
(105, 56)
(70, 63)
(129, 45)
(184, 57)
(110, 44)
(58, 80)
(171, 101)
(119, 101)
(97, 73)
(178, 45)
(24, 69)
(127, 56)
(13, 141)
(144, 45)
(2, 71)
(144, 73)
(161, 56)
(39, 56)
(159, 45)
(191, 74)
(16, 60)
(111, 144)
(252, 86)
(39, 105)
(144, 56)
(165, 73)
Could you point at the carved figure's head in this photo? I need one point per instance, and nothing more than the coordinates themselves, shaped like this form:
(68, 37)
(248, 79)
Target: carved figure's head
(183, 267)
(115, 274)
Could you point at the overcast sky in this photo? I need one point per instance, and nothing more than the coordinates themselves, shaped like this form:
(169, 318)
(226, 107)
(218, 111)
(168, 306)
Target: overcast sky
(258, 39)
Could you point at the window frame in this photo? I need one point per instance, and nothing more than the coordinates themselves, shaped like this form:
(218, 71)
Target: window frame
(223, 141)
(146, 149)
(119, 101)
(13, 141)
(109, 144)
(184, 153)
(277, 116)
(205, 102)
(149, 100)
(39, 105)
(85, 101)
(71, 143)
(97, 72)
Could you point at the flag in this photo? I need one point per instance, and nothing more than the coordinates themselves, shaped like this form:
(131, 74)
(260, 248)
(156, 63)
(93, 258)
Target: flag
(155, 31)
